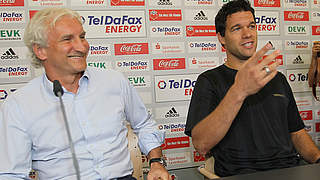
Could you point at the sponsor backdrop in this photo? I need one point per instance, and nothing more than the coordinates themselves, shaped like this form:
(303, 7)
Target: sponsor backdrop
(162, 46)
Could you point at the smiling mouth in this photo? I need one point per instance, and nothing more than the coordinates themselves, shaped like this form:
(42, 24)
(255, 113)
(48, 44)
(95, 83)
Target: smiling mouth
(248, 44)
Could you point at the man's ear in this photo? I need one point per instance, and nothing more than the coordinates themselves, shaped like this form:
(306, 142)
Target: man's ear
(221, 39)
(40, 52)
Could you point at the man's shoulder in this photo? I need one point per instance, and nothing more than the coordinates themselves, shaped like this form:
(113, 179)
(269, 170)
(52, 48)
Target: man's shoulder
(211, 73)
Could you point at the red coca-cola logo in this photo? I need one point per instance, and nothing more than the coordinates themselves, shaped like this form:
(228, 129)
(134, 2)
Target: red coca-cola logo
(169, 64)
(296, 15)
(131, 48)
(267, 3)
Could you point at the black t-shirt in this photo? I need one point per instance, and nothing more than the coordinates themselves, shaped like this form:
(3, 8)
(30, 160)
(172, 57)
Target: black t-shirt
(259, 137)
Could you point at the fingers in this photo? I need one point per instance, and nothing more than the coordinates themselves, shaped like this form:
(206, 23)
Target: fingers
(268, 71)
(259, 54)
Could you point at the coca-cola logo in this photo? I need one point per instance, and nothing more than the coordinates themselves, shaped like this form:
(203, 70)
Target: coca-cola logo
(133, 48)
(299, 15)
(169, 64)
(266, 2)
(296, 15)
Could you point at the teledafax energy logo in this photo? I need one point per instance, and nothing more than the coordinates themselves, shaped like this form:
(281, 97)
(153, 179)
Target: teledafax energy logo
(15, 71)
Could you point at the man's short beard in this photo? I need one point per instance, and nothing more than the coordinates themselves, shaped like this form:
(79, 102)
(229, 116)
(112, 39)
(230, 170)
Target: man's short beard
(243, 58)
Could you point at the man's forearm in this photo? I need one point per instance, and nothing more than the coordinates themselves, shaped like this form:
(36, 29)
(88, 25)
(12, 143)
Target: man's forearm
(155, 153)
(305, 146)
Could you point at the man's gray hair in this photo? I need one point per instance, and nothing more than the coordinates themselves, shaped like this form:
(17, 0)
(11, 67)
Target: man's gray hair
(37, 29)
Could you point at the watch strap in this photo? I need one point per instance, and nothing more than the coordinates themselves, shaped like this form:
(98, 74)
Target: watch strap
(160, 160)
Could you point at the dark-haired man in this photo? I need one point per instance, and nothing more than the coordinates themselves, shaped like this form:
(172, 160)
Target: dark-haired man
(243, 111)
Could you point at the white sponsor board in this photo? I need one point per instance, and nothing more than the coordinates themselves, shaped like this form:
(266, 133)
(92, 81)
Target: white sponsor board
(202, 15)
(203, 62)
(169, 112)
(298, 59)
(202, 46)
(11, 34)
(174, 87)
(295, 3)
(10, 54)
(140, 81)
(47, 3)
(166, 31)
(174, 159)
(298, 80)
(132, 65)
(167, 47)
(268, 22)
(167, 3)
(297, 30)
(12, 16)
(15, 71)
(110, 24)
(101, 49)
(297, 45)
(172, 128)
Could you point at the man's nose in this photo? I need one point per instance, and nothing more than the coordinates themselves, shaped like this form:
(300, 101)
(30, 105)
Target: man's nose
(247, 32)
(80, 45)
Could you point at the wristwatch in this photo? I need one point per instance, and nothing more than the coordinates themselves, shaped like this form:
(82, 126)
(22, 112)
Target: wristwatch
(161, 160)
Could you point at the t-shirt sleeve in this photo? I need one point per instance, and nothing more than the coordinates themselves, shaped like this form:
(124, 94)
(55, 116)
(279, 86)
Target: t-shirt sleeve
(203, 102)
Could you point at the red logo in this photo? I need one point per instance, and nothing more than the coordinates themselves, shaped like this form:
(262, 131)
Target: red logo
(169, 64)
(208, 30)
(127, 2)
(266, 3)
(296, 15)
(176, 142)
(306, 115)
(131, 48)
(11, 2)
(315, 30)
(165, 15)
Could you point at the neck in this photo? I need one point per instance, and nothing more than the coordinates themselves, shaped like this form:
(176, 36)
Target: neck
(71, 83)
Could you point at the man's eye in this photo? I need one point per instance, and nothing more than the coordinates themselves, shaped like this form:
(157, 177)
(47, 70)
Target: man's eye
(66, 39)
(236, 29)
